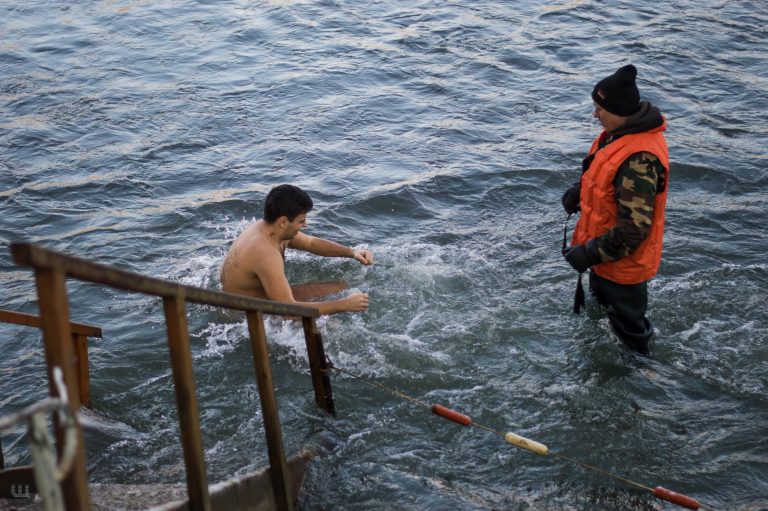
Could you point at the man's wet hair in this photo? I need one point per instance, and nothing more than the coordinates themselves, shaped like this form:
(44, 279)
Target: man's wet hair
(288, 201)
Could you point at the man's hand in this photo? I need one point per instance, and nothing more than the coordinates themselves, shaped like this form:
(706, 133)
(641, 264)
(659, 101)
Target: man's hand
(356, 302)
(581, 257)
(364, 256)
(570, 199)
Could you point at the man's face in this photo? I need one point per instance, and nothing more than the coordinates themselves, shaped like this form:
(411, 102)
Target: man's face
(611, 122)
(292, 228)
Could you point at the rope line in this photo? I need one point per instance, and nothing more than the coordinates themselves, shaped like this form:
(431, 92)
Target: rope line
(573, 460)
(524, 443)
(379, 386)
(602, 471)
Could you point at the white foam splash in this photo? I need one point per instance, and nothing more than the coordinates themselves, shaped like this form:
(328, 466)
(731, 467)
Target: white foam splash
(351, 341)
(222, 337)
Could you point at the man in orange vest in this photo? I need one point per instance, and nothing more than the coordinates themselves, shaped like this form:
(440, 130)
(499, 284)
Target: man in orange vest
(621, 196)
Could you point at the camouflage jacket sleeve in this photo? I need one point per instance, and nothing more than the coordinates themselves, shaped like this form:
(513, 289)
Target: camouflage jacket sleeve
(636, 182)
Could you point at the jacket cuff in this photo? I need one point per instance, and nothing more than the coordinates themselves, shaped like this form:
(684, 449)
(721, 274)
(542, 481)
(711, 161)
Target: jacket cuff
(593, 256)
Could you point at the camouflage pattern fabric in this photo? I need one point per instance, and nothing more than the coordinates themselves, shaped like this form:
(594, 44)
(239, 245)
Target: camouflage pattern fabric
(637, 181)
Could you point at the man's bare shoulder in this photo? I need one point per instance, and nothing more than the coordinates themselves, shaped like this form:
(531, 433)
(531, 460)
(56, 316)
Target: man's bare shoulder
(254, 247)
(252, 257)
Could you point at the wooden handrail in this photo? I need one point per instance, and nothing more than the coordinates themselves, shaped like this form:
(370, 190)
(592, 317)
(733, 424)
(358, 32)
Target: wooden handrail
(51, 270)
(21, 318)
(80, 334)
(28, 254)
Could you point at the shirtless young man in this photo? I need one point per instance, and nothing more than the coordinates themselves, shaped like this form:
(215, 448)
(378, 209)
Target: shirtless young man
(255, 263)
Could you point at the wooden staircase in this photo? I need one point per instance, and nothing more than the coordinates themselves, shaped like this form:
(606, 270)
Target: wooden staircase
(276, 487)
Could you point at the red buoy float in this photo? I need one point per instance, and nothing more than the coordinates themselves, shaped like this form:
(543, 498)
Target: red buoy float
(451, 415)
(675, 498)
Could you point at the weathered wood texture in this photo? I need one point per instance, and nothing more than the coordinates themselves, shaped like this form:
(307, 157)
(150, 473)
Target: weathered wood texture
(80, 334)
(32, 255)
(321, 380)
(59, 352)
(186, 403)
(21, 318)
(279, 470)
(52, 268)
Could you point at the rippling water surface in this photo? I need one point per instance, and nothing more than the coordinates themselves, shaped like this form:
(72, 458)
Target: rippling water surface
(440, 135)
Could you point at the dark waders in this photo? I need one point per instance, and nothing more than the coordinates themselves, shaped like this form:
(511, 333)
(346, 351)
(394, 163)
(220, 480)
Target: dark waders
(626, 305)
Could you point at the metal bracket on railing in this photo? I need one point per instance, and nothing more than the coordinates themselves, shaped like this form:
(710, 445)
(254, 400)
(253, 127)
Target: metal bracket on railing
(49, 474)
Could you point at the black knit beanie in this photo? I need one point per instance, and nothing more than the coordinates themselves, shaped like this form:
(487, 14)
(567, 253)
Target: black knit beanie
(618, 93)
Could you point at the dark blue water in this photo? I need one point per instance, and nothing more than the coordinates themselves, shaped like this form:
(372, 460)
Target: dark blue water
(440, 135)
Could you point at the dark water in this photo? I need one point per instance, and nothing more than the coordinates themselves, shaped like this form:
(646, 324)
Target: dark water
(440, 135)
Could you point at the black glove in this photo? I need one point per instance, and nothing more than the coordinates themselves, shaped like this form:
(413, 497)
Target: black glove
(570, 199)
(581, 257)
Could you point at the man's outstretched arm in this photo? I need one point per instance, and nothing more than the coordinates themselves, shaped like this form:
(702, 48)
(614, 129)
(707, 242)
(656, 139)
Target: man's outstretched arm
(327, 248)
(271, 272)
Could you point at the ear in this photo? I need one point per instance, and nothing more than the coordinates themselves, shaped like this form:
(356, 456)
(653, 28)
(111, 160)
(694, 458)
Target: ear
(282, 222)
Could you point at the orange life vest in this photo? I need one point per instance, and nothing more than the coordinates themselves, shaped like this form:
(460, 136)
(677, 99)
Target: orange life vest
(599, 209)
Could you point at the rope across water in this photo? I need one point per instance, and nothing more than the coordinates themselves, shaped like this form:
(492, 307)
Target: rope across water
(525, 443)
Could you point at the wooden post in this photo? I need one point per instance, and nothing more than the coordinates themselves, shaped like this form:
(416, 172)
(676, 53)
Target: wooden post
(80, 343)
(277, 463)
(186, 403)
(54, 316)
(80, 334)
(318, 366)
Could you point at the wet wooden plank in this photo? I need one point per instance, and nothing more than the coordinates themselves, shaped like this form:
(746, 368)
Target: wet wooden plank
(80, 334)
(29, 254)
(57, 337)
(21, 318)
(186, 403)
(321, 380)
(277, 462)
(80, 345)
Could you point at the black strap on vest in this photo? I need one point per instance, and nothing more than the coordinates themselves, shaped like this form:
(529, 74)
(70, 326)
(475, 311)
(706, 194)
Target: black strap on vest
(578, 300)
